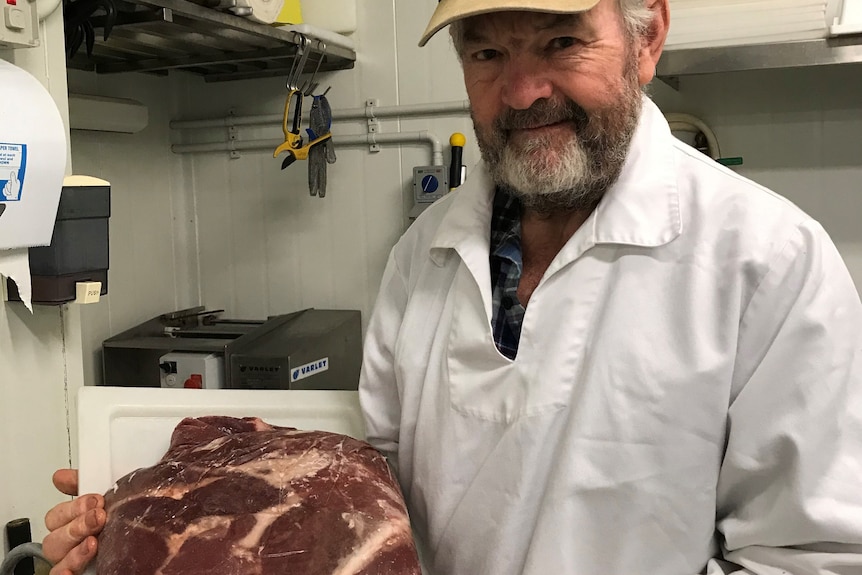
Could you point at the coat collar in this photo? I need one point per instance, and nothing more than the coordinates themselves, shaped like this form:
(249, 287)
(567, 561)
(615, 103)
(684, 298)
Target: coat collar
(641, 209)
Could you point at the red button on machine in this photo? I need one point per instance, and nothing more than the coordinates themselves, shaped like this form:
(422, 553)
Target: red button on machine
(195, 381)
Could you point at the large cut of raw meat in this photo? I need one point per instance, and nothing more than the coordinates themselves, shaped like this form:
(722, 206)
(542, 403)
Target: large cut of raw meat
(241, 497)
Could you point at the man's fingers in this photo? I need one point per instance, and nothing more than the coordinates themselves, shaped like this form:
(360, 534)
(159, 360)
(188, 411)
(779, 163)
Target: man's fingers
(64, 513)
(77, 560)
(66, 481)
(58, 544)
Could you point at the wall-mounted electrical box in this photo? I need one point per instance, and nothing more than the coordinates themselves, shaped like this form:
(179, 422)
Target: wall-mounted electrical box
(430, 183)
(19, 27)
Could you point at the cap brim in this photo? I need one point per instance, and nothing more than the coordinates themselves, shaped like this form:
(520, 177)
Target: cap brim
(449, 11)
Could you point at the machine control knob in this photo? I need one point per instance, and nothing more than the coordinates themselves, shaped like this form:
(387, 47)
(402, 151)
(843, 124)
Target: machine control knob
(430, 184)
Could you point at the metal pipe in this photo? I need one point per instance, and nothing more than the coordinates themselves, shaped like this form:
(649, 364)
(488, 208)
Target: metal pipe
(406, 111)
(423, 137)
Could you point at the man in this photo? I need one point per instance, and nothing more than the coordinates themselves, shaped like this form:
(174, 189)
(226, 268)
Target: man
(604, 354)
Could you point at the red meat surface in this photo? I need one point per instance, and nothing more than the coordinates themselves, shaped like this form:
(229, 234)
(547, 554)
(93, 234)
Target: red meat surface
(242, 497)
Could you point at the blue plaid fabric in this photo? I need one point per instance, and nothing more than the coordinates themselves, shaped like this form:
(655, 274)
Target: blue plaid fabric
(506, 268)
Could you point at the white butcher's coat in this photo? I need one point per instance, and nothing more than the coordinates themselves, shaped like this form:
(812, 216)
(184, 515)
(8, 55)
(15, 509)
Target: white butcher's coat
(687, 385)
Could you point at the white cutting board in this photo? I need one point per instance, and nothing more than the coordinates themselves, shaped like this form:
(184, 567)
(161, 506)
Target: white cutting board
(121, 429)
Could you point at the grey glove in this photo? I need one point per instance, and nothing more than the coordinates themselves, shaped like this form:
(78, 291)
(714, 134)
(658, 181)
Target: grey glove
(319, 124)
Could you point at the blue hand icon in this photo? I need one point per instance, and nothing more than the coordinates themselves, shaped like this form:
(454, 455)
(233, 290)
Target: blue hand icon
(12, 187)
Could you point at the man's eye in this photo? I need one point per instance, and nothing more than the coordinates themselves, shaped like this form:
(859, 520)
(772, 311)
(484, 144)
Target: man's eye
(485, 55)
(563, 42)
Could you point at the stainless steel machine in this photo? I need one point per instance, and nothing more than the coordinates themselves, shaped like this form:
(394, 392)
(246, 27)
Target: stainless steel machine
(307, 349)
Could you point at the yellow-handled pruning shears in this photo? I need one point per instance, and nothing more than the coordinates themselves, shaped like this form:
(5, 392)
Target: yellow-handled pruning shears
(293, 143)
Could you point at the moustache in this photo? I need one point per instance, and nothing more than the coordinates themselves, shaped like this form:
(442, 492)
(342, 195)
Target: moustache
(543, 113)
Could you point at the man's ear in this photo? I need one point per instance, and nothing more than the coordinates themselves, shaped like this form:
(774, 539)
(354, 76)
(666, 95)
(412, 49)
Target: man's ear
(652, 41)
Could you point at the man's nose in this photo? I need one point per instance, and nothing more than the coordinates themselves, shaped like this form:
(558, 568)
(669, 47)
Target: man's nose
(524, 83)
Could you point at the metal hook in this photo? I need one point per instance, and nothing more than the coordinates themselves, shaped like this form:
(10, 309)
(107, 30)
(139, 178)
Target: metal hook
(309, 87)
(300, 57)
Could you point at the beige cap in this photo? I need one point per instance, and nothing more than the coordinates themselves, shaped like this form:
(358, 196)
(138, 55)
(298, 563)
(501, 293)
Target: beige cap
(449, 11)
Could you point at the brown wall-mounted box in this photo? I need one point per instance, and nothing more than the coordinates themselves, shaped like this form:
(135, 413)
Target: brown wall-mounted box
(79, 246)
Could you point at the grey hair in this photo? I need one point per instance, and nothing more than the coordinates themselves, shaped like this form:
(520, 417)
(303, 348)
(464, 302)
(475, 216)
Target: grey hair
(636, 19)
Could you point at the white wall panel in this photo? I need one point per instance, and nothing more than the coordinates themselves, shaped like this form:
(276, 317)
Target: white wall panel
(266, 246)
(151, 232)
(429, 74)
(800, 134)
(33, 411)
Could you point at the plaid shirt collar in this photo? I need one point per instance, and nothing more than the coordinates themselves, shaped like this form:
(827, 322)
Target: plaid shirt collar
(505, 224)
(506, 268)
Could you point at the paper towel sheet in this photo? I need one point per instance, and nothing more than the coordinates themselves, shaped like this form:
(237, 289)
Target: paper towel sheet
(15, 264)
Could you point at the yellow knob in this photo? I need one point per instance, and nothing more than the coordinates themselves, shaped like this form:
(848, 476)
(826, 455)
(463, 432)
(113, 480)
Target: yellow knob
(458, 139)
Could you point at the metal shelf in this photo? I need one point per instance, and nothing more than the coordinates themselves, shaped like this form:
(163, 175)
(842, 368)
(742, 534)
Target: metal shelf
(824, 52)
(163, 35)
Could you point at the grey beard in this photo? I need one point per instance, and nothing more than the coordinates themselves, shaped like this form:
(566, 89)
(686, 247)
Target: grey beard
(584, 169)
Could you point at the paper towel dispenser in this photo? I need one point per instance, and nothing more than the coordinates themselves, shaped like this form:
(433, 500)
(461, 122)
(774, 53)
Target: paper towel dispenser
(32, 160)
(78, 253)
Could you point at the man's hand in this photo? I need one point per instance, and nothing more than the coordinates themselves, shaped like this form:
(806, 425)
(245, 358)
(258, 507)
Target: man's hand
(73, 525)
